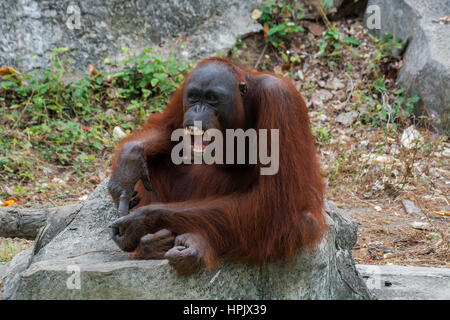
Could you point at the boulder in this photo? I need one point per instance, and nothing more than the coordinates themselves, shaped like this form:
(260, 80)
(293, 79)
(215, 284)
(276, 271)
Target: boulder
(426, 68)
(81, 262)
(99, 29)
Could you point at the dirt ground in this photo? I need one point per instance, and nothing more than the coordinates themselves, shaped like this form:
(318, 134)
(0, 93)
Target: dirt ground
(367, 171)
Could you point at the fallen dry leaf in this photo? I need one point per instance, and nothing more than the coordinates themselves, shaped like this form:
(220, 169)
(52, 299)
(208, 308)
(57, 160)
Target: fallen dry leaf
(266, 31)
(9, 202)
(4, 71)
(278, 70)
(92, 71)
(315, 28)
(256, 14)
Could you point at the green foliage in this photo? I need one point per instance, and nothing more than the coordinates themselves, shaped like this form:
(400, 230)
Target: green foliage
(327, 3)
(281, 20)
(385, 107)
(10, 247)
(330, 46)
(149, 76)
(45, 118)
(322, 135)
(239, 44)
(384, 48)
(351, 41)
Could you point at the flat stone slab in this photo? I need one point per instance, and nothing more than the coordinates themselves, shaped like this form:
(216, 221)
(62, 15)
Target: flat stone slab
(407, 283)
(78, 260)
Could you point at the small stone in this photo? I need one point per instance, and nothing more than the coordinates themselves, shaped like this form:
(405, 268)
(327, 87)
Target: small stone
(383, 159)
(363, 144)
(256, 14)
(363, 108)
(347, 118)
(48, 171)
(377, 208)
(322, 117)
(411, 138)
(335, 84)
(410, 207)
(446, 152)
(299, 74)
(420, 225)
(340, 95)
(58, 180)
(320, 96)
(118, 133)
(110, 112)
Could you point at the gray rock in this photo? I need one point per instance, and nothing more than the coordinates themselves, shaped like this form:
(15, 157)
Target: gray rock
(12, 276)
(26, 222)
(426, 68)
(51, 271)
(3, 266)
(98, 29)
(58, 219)
(411, 208)
(407, 283)
(347, 118)
(335, 84)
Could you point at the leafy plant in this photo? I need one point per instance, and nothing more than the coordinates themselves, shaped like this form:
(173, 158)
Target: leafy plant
(280, 22)
(331, 44)
(45, 118)
(321, 135)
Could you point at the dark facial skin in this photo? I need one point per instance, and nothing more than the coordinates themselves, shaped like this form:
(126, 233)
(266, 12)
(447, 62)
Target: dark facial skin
(210, 97)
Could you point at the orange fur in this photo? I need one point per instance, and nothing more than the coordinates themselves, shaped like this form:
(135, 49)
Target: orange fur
(242, 214)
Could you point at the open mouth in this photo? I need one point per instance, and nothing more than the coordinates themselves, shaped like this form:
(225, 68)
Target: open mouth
(198, 143)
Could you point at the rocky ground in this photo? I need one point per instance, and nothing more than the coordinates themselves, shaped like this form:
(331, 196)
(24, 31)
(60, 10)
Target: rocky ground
(396, 190)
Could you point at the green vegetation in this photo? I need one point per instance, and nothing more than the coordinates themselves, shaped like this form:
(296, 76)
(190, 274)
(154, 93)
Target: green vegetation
(322, 135)
(389, 106)
(331, 45)
(46, 119)
(10, 247)
(280, 21)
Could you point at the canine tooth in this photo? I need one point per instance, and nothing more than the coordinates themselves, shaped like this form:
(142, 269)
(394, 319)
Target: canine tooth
(195, 131)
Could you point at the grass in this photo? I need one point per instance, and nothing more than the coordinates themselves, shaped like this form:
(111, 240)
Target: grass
(10, 247)
(50, 125)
